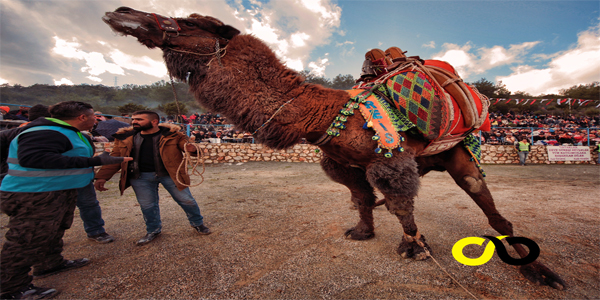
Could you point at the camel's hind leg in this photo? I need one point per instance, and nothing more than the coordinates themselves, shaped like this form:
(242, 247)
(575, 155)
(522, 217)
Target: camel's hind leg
(361, 194)
(398, 180)
(467, 176)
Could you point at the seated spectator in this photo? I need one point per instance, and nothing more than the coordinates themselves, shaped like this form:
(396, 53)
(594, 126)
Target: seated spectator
(3, 111)
(578, 138)
(510, 139)
(198, 135)
(20, 114)
(493, 140)
(565, 138)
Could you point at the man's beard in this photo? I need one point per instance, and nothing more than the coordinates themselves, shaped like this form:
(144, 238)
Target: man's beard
(138, 127)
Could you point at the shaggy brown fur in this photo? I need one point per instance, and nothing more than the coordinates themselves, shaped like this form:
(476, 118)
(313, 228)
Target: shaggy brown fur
(248, 84)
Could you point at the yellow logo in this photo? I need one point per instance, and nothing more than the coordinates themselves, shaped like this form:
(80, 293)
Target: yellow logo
(457, 251)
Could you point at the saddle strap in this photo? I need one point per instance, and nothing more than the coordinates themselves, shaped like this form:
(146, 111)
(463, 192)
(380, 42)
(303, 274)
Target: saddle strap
(459, 91)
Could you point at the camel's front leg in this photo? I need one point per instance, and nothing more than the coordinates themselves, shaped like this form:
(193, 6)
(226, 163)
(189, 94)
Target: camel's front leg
(362, 196)
(398, 180)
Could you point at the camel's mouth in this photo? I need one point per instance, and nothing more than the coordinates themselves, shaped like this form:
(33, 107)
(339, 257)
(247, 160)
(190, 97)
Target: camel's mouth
(124, 23)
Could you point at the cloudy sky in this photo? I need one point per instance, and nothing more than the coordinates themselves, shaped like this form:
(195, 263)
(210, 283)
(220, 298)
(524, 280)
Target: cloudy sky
(533, 46)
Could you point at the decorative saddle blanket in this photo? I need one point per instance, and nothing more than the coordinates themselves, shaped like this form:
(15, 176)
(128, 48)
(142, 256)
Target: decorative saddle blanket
(421, 101)
(411, 97)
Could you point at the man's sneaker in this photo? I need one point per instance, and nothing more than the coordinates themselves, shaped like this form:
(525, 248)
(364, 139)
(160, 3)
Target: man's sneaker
(103, 238)
(202, 229)
(32, 292)
(148, 238)
(64, 266)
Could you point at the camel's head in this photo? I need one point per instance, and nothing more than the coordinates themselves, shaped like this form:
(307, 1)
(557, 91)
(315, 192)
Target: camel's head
(196, 33)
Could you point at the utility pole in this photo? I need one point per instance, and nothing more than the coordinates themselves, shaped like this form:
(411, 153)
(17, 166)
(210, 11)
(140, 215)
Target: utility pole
(115, 81)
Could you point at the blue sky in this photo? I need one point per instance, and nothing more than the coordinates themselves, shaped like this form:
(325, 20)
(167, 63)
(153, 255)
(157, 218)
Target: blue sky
(532, 46)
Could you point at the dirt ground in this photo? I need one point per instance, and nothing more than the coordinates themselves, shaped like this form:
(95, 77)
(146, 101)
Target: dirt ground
(278, 233)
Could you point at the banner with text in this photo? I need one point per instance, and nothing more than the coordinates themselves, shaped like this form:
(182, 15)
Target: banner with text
(568, 153)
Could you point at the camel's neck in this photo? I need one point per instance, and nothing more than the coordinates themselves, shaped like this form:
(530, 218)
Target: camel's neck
(253, 85)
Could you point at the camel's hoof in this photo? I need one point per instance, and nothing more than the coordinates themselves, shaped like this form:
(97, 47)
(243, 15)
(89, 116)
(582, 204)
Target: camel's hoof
(538, 273)
(412, 250)
(358, 235)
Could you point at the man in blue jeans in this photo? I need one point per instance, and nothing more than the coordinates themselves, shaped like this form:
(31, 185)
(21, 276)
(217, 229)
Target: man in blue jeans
(91, 215)
(157, 153)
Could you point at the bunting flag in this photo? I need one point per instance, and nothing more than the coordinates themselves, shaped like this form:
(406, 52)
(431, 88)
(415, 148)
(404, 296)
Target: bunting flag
(559, 101)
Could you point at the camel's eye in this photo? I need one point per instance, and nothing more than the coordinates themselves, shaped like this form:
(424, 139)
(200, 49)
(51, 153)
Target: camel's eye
(189, 24)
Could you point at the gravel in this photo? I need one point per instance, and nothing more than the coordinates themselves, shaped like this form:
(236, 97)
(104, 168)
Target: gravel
(278, 233)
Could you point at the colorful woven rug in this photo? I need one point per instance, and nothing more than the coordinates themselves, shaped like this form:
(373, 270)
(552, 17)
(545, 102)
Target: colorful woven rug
(421, 102)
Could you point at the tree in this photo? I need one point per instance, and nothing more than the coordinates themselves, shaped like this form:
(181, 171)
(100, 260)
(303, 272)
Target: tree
(485, 87)
(583, 91)
(312, 78)
(490, 89)
(171, 109)
(343, 82)
(131, 107)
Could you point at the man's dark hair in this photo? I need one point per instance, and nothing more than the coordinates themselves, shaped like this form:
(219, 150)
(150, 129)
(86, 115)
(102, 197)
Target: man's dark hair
(153, 115)
(68, 110)
(38, 111)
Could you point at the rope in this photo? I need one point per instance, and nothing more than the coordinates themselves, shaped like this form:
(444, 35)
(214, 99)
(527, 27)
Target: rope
(187, 159)
(415, 239)
(176, 100)
(273, 116)
(451, 277)
(224, 49)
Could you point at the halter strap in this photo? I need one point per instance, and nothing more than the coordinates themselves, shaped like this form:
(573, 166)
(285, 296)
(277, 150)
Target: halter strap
(166, 23)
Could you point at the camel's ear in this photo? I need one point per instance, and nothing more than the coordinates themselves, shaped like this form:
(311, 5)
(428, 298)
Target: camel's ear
(227, 31)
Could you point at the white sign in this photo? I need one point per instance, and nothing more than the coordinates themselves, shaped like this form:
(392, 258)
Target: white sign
(568, 153)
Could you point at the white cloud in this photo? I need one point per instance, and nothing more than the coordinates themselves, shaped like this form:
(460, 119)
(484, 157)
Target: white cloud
(468, 64)
(93, 78)
(318, 67)
(429, 45)
(578, 65)
(344, 43)
(3, 81)
(63, 81)
(142, 64)
(95, 62)
(299, 39)
(292, 28)
(458, 57)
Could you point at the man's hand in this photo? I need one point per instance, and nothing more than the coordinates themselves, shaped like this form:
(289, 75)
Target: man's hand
(190, 148)
(99, 185)
(106, 159)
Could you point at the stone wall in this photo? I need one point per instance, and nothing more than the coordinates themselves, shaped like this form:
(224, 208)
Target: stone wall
(234, 153)
(505, 154)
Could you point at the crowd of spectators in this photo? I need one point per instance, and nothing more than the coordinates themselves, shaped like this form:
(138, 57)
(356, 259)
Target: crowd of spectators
(507, 129)
(197, 119)
(552, 130)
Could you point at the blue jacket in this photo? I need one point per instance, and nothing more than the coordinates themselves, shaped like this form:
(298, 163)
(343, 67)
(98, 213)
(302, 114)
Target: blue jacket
(55, 157)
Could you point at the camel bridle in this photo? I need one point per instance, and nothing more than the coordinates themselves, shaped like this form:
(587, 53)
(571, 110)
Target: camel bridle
(170, 25)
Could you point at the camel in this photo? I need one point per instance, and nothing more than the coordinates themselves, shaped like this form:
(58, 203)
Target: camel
(240, 77)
